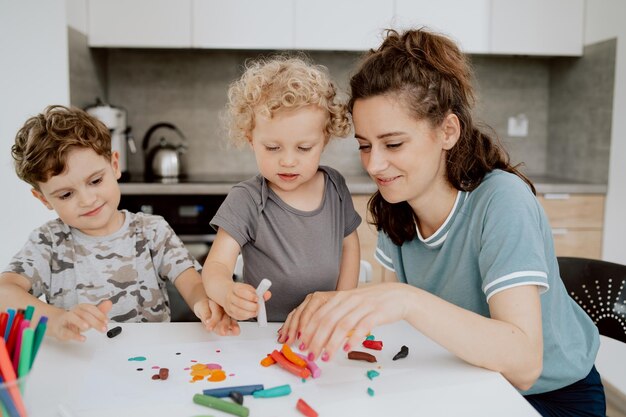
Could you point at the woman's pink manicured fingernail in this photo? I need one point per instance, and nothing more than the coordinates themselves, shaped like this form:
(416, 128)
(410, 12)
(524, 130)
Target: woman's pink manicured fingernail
(310, 356)
(346, 347)
(299, 334)
(325, 356)
(287, 339)
(302, 346)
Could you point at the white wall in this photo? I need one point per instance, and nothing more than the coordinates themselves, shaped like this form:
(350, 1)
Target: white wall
(34, 72)
(605, 19)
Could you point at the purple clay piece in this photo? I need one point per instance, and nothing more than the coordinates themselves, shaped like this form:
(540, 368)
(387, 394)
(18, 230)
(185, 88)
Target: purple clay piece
(404, 352)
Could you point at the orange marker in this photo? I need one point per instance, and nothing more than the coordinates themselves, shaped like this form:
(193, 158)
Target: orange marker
(292, 357)
(289, 366)
(8, 373)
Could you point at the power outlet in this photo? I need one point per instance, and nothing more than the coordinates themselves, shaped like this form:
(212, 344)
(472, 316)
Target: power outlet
(518, 126)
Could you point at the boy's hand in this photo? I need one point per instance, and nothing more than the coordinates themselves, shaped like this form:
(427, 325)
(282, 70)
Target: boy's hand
(69, 325)
(216, 319)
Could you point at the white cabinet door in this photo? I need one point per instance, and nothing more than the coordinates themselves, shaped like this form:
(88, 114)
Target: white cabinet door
(243, 24)
(344, 25)
(140, 23)
(537, 27)
(465, 21)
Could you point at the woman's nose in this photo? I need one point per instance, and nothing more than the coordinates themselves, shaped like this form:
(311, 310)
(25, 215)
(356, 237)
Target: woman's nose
(374, 161)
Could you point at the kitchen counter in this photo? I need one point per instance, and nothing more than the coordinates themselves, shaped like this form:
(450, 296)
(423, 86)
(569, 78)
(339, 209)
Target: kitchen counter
(356, 184)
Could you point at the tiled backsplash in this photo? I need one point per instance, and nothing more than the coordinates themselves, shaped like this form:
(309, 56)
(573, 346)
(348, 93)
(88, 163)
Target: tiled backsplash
(564, 99)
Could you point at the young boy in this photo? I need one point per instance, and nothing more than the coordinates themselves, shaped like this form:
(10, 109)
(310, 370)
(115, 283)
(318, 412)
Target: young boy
(294, 223)
(94, 262)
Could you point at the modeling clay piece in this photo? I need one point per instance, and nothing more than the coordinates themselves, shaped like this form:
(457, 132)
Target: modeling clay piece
(264, 285)
(370, 392)
(312, 366)
(164, 373)
(370, 337)
(225, 391)
(268, 361)
(361, 356)
(279, 391)
(404, 352)
(236, 396)
(305, 409)
(372, 374)
(225, 406)
(291, 367)
(114, 332)
(292, 357)
(373, 344)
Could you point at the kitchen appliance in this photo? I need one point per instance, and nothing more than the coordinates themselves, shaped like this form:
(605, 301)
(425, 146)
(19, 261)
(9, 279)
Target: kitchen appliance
(163, 161)
(114, 118)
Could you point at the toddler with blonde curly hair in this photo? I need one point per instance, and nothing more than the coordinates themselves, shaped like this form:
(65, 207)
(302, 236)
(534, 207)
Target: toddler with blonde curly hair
(294, 222)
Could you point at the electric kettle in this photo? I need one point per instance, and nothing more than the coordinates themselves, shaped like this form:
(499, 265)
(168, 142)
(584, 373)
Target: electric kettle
(164, 159)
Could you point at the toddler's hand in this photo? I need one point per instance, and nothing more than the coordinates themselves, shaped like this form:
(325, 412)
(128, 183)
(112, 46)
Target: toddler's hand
(241, 301)
(69, 325)
(214, 318)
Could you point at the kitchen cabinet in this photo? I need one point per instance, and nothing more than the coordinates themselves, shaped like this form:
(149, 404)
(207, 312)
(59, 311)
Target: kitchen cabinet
(467, 22)
(537, 27)
(243, 24)
(139, 23)
(346, 25)
(368, 236)
(577, 223)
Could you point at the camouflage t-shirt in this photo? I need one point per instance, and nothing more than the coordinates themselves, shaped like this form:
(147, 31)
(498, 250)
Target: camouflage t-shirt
(128, 267)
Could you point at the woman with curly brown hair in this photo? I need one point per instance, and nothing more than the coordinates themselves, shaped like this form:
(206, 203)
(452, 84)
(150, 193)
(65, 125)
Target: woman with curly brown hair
(460, 232)
(294, 223)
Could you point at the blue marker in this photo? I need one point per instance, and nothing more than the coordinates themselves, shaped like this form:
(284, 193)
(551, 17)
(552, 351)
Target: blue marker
(7, 401)
(225, 391)
(11, 313)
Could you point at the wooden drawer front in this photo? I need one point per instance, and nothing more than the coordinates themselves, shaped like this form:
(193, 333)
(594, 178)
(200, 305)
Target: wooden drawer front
(574, 210)
(578, 243)
(368, 236)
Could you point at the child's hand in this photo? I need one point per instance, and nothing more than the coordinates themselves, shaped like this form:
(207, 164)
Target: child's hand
(241, 301)
(220, 322)
(69, 325)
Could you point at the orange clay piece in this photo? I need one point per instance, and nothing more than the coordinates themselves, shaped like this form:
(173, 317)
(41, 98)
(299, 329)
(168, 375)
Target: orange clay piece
(289, 366)
(292, 357)
(217, 375)
(268, 361)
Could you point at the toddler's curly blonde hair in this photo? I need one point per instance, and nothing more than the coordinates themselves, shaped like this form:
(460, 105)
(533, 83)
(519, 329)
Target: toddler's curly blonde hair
(280, 82)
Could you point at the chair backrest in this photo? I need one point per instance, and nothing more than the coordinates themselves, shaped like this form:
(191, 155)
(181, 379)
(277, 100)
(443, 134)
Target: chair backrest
(598, 287)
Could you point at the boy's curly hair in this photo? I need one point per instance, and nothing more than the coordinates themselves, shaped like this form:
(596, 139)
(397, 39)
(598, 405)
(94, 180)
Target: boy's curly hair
(42, 144)
(280, 82)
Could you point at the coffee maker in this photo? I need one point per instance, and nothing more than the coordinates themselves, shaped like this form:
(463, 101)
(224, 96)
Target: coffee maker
(114, 118)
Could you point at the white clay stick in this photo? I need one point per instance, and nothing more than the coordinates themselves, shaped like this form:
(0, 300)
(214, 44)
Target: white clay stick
(264, 285)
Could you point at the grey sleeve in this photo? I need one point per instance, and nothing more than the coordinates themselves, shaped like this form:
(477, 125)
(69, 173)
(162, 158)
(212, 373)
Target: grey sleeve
(353, 220)
(237, 215)
(33, 261)
(171, 258)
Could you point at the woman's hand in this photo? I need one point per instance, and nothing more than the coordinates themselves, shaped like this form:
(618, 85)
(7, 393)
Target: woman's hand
(69, 325)
(301, 315)
(350, 315)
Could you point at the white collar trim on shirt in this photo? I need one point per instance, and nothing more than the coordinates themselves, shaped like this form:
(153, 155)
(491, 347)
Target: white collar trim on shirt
(440, 239)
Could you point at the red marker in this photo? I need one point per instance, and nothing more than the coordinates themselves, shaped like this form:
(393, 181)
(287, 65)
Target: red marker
(4, 318)
(13, 332)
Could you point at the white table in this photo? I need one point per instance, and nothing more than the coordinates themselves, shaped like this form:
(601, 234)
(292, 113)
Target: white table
(429, 382)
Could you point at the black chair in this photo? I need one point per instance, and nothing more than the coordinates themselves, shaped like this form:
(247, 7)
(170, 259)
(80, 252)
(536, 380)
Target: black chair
(598, 287)
(179, 309)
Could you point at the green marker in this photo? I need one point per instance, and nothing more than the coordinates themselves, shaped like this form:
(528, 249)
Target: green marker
(279, 391)
(26, 352)
(28, 314)
(219, 404)
(40, 330)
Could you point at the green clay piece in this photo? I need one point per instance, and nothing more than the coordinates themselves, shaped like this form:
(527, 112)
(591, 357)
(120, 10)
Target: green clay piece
(372, 374)
(370, 337)
(222, 405)
(137, 358)
(279, 391)
(370, 392)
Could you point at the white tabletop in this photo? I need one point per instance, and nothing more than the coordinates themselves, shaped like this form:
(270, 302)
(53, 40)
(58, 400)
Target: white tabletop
(96, 378)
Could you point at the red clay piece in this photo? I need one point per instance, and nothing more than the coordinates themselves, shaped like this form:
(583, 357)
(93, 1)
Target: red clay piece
(289, 366)
(373, 344)
(164, 373)
(305, 409)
